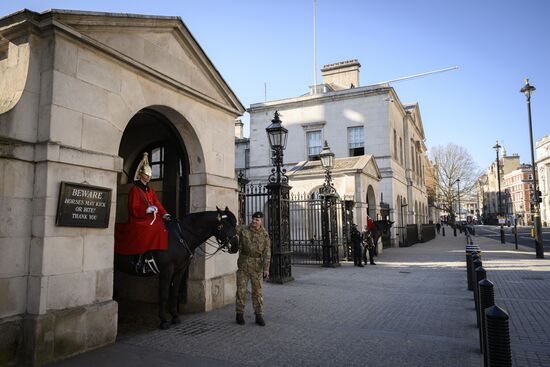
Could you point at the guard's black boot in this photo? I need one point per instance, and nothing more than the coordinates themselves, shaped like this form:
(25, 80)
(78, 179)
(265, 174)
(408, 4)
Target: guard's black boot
(361, 265)
(372, 263)
(240, 319)
(260, 320)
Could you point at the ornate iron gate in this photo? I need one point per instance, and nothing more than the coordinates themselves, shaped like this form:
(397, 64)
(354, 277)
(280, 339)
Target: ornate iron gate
(309, 228)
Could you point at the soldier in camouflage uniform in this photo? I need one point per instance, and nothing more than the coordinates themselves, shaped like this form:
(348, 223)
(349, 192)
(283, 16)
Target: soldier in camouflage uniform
(253, 263)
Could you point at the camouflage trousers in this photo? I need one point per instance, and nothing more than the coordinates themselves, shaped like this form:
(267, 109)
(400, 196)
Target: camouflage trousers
(256, 280)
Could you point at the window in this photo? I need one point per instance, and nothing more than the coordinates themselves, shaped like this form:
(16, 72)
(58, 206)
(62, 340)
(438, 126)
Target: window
(401, 150)
(356, 141)
(157, 163)
(394, 145)
(412, 158)
(314, 144)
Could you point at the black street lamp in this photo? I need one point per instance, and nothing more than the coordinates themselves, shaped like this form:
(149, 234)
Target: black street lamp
(539, 247)
(280, 270)
(328, 214)
(497, 148)
(458, 194)
(403, 227)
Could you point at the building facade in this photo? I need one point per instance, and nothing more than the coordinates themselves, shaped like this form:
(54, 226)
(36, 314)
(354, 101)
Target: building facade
(543, 175)
(518, 185)
(355, 121)
(82, 96)
(488, 188)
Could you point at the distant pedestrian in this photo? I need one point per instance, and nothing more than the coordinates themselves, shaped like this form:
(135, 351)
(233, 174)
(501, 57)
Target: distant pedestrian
(438, 227)
(253, 264)
(357, 242)
(368, 241)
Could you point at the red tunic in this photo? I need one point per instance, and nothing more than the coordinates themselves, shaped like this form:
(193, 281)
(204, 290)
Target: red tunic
(370, 224)
(139, 235)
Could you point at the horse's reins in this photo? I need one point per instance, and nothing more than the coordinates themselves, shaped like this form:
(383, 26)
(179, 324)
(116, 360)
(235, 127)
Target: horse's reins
(208, 255)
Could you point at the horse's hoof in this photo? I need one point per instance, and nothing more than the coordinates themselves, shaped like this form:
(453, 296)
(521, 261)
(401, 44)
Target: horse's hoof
(176, 320)
(164, 325)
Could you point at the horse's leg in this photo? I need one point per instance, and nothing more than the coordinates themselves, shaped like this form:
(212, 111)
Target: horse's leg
(165, 279)
(174, 299)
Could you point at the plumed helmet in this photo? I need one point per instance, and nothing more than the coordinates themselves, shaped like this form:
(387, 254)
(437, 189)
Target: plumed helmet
(143, 167)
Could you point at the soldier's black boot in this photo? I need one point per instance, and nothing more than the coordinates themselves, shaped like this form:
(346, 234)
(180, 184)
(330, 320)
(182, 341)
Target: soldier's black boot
(240, 319)
(260, 320)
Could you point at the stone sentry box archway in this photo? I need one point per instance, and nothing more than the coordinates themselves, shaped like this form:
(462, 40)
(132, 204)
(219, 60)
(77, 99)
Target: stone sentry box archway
(70, 82)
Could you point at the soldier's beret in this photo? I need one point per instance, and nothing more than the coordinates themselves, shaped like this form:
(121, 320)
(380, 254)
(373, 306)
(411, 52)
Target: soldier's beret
(258, 215)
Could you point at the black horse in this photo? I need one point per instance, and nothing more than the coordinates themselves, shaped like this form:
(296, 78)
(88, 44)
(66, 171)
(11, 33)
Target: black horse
(381, 227)
(184, 236)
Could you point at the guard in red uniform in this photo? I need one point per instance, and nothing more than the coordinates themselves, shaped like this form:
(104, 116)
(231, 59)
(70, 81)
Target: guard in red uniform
(145, 229)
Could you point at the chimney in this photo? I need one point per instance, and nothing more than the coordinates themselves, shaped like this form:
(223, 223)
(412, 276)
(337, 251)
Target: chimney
(342, 75)
(238, 129)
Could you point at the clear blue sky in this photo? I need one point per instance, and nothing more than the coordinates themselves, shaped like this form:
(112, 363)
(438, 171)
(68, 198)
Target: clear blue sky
(495, 43)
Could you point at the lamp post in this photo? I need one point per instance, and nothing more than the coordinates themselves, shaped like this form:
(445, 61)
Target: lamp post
(280, 270)
(328, 214)
(403, 227)
(458, 196)
(497, 148)
(539, 247)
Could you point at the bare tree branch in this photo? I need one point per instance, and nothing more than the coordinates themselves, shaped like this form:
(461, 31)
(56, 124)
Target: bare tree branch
(453, 162)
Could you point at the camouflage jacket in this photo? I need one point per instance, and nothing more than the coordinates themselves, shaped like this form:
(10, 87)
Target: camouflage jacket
(254, 249)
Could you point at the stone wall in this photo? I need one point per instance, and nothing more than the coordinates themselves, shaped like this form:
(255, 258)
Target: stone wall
(80, 79)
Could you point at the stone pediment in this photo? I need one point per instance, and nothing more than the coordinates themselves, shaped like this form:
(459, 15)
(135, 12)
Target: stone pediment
(163, 46)
(365, 164)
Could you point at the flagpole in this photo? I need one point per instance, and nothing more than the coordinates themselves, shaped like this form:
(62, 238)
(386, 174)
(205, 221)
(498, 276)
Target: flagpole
(314, 46)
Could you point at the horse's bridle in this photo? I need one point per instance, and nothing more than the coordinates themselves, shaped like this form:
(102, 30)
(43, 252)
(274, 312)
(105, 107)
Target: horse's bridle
(222, 242)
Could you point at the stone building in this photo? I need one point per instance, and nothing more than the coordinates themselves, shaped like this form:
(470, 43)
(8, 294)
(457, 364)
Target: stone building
(355, 121)
(543, 176)
(517, 187)
(82, 96)
(487, 187)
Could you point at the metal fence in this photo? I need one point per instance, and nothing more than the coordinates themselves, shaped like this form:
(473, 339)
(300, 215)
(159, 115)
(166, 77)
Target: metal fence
(305, 223)
(427, 232)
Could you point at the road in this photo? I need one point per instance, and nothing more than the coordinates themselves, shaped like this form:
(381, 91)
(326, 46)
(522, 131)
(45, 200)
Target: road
(524, 235)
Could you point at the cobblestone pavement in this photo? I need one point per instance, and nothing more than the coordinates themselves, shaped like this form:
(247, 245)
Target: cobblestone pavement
(522, 289)
(412, 309)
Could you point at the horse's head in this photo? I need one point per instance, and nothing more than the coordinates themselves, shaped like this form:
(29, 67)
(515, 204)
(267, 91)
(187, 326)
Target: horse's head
(383, 225)
(226, 230)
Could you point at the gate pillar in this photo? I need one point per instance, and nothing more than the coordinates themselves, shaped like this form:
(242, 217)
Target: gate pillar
(330, 228)
(280, 270)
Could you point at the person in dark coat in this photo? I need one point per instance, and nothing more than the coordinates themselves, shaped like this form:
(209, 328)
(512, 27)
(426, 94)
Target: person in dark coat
(356, 241)
(438, 227)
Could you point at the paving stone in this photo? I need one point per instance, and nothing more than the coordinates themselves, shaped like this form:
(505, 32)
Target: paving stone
(412, 309)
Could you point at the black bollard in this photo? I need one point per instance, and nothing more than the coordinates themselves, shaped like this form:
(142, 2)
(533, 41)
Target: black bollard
(443, 231)
(480, 275)
(469, 266)
(476, 263)
(499, 352)
(469, 251)
(486, 299)
(470, 270)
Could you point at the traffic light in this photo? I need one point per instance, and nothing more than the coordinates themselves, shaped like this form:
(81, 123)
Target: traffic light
(534, 198)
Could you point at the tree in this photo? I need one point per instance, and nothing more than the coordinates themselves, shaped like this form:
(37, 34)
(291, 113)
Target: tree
(451, 163)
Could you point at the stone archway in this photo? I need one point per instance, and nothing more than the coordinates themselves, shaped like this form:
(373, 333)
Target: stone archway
(153, 132)
(371, 202)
